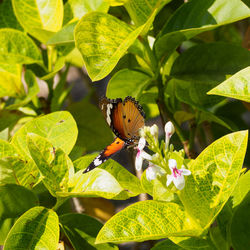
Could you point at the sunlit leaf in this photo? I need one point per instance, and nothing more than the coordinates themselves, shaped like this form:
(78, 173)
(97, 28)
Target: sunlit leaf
(38, 228)
(33, 90)
(39, 18)
(140, 11)
(78, 8)
(58, 127)
(147, 220)
(237, 86)
(54, 164)
(214, 176)
(102, 40)
(10, 80)
(17, 48)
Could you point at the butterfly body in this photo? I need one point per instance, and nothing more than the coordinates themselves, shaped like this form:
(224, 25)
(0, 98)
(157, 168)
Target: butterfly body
(125, 118)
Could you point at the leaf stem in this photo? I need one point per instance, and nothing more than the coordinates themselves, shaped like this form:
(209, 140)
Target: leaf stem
(59, 202)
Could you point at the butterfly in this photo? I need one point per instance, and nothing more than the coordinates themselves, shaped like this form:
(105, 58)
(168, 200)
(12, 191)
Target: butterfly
(125, 118)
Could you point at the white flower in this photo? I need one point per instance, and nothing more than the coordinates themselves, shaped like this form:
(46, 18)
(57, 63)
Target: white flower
(141, 154)
(154, 131)
(152, 171)
(169, 131)
(177, 176)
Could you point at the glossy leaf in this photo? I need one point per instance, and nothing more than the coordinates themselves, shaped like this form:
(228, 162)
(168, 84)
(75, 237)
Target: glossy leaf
(127, 180)
(40, 19)
(63, 36)
(127, 82)
(240, 226)
(82, 230)
(10, 80)
(54, 164)
(242, 189)
(38, 228)
(166, 244)
(210, 61)
(33, 90)
(7, 16)
(147, 220)
(237, 86)
(76, 9)
(6, 149)
(58, 127)
(102, 40)
(91, 125)
(17, 171)
(110, 181)
(185, 23)
(17, 48)
(14, 201)
(214, 176)
(116, 2)
(140, 11)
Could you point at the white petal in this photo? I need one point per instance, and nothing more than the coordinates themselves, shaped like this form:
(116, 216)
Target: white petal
(145, 155)
(138, 163)
(179, 182)
(170, 178)
(141, 143)
(151, 173)
(185, 171)
(172, 164)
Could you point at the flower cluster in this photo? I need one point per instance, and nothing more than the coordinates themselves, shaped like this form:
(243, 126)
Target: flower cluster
(164, 161)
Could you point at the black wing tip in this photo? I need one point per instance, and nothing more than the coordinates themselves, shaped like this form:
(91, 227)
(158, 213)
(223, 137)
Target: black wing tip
(109, 100)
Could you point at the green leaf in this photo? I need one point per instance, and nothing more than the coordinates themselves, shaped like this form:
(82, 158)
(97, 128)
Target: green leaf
(6, 149)
(127, 180)
(94, 133)
(210, 62)
(140, 11)
(242, 189)
(58, 127)
(63, 36)
(147, 220)
(14, 201)
(54, 164)
(7, 16)
(102, 40)
(78, 8)
(17, 171)
(186, 23)
(38, 228)
(10, 80)
(166, 244)
(17, 48)
(8, 119)
(116, 2)
(240, 226)
(82, 230)
(127, 82)
(214, 176)
(40, 19)
(33, 90)
(237, 86)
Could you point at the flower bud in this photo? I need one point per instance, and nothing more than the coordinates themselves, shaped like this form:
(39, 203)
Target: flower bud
(169, 131)
(154, 131)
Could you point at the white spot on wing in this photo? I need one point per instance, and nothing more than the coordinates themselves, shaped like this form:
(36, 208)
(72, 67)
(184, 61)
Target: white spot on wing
(97, 161)
(109, 107)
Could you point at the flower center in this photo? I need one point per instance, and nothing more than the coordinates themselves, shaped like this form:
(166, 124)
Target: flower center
(176, 172)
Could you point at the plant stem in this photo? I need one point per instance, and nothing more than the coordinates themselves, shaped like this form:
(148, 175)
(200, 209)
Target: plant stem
(59, 202)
